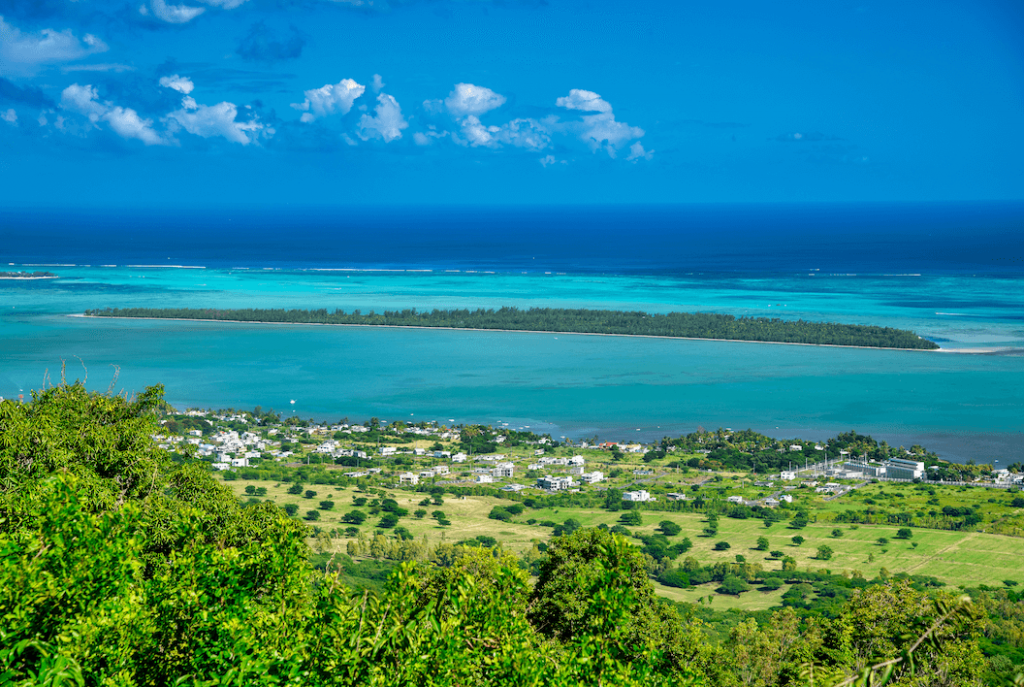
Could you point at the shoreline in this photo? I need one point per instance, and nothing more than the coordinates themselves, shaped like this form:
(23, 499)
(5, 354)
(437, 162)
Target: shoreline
(533, 331)
(29, 278)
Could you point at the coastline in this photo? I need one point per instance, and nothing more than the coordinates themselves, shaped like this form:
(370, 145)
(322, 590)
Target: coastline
(532, 331)
(29, 278)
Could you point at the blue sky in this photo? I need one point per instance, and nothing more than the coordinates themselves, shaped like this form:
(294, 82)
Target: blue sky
(129, 103)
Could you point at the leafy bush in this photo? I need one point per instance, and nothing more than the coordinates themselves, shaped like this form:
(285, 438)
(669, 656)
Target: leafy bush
(291, 508)
(762, 544)
(669, 528)
(312, 515)
(327, 505)
(356, 517)
(722, 546)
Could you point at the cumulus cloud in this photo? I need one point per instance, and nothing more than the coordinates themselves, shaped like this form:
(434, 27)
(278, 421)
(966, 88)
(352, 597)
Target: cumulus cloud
(637, 152)
(214, 120)
(521, 133)
(9, 116)
(173, 14)
(125, 122)
(588, 101)
(598, 130)
(181, 84)
(387, 123)
(329, 99)
(20, 52)
(468, 99)
(378, 83)
(261, 44)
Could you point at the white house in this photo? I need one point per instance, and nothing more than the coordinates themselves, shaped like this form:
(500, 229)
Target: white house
(408, 478)
(787, 475)
(576, 460)
(636, 496)
(787, 498)
(221, 466)
(592, 477)
(484, 479)
(675, 497)
(735, 499)
(503, 470)
(554, 483)
(513, 487)
(459, 458)
(441, 470)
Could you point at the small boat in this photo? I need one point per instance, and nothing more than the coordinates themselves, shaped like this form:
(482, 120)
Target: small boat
(292, 401)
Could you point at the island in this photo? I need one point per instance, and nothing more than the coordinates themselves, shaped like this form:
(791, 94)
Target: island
(27, 275)
(676, 325)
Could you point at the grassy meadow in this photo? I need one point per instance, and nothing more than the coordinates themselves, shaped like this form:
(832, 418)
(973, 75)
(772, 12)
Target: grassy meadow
(956, 558)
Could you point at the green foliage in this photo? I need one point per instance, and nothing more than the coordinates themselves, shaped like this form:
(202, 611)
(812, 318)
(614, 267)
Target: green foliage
(824, 553)
(688, 325)
(291, 509)
(722, 546)
(762, 544)
(904, 533)
(632, 518)
(326, 505)
(669, 528)
(798, 540)
(837, 533)
(734, 585)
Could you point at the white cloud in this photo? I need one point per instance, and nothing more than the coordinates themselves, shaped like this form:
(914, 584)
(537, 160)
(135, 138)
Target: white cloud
(224, 4)
(387, 123)
(20, 52)
(173, 14)
(215, 120)
(83, 100)
(598, 130)
(329, 99)
(181, 84)
(378, 83)
(637, 152)
(105, 67)
(125, 121)
(421, 139)
(468, 99)
(10, 116)
(521, 133)
(588, 101)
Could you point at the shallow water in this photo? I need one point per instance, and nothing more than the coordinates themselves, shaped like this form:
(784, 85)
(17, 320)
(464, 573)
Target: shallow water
(966, 406)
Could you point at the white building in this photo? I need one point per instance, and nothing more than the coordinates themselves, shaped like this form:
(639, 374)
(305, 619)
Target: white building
(637, 496)
(787, 475)
(408, 478)
(503, 470)
(592, 477)
(441, 470)
(554, 483)
(674, 496)
(735, 499)
(484, 479)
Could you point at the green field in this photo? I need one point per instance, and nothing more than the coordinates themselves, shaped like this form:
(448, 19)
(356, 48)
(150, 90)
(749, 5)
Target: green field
(956, 558)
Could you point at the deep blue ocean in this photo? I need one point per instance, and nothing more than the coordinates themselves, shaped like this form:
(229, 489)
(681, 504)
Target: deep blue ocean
(953, 273)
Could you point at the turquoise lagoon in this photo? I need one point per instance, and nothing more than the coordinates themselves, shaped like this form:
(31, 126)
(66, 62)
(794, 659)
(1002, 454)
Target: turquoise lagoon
(964, 405)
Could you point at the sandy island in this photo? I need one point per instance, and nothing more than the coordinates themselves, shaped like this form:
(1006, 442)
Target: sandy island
(974, 351)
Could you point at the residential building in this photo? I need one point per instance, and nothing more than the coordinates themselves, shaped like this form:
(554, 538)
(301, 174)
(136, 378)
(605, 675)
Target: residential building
(408, 478)
(591, 477)
(637, 496)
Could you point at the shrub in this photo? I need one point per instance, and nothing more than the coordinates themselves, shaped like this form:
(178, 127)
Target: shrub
(499, 513)
(836, 533)
(250, 490)
(632, 517)
(309, 494)
(734, 585)
(291, 508)
(312, 515)
(515, 508)
(388, 520)
(762, 544)
(669, 528)
(776, 554)
(295, 489)
(261, 491)
(722, 546)
(420, 513)
(356, 517)
(798, 540)
(772, 583)
(882, 541)
(904, 533)
(824, 553)
(327, 505)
